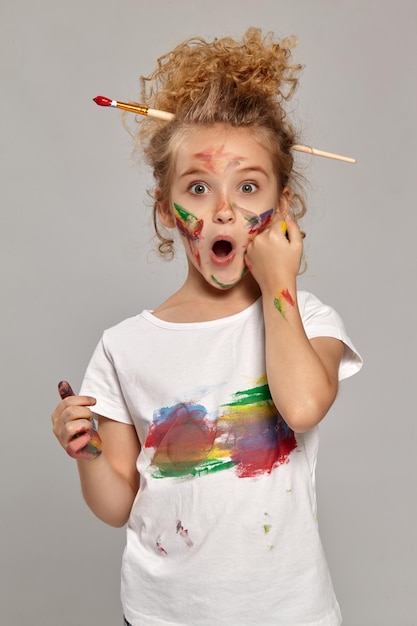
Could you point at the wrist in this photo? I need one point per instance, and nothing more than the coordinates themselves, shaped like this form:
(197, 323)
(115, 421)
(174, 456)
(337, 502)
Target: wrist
(282, 299)
(276, 284)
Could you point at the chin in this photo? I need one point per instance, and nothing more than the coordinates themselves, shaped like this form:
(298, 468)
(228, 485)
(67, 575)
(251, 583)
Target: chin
(225, 284)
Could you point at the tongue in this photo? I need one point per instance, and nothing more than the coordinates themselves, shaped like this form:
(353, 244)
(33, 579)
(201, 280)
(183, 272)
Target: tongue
(222, 248)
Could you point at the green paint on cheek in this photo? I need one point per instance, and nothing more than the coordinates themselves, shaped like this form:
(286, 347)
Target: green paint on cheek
(188, 224)
(183, 214)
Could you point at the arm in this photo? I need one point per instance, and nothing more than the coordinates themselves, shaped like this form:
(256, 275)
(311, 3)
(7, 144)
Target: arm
(110, 481)
(302, 374)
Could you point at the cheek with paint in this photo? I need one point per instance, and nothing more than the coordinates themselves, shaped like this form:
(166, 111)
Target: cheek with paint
(263, 221)
(190, 228)
(255, 223)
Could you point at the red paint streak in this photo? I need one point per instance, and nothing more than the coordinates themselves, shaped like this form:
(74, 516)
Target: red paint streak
(212, 156)
(287, 296)
(196, 255)
(190, 228)
(256, 462)
(160, 548)
(102, 101)
(182, 440)
(207, 157)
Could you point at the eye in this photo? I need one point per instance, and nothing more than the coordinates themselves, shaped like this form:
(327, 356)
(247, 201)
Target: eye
(248, 187)
(198, 188)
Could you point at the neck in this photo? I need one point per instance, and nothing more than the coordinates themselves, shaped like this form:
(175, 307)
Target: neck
(197, 301)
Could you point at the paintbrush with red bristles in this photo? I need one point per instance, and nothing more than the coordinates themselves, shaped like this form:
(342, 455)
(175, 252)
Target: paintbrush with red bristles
(141, 109)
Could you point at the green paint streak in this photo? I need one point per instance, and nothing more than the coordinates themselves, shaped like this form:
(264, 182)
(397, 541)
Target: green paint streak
(278, 305)
(229, 285)
(255, 395)
(183, 213)
(267, 528)
(202, 469)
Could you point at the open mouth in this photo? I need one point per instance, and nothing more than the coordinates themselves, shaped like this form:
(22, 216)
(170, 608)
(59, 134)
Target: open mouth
(221, 249)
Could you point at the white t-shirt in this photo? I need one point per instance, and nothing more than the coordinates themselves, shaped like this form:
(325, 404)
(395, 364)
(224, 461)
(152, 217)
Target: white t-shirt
(223, 530)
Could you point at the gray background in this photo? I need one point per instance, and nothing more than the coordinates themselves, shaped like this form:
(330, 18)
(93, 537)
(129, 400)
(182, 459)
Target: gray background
(77, 257)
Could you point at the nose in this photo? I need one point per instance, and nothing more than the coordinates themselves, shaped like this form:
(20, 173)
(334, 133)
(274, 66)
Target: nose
(224, 213)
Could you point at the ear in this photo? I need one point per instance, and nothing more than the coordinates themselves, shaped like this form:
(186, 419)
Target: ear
(165, 212)
(284, 201)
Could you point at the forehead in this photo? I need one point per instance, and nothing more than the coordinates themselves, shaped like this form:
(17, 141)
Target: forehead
(220, 145)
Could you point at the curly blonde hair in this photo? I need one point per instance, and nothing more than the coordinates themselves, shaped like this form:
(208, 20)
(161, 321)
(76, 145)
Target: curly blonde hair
(237, 83)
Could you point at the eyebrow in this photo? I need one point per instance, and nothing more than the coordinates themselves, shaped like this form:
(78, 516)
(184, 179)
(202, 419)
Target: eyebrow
(193, 171)
(253, 168)
(200, 171)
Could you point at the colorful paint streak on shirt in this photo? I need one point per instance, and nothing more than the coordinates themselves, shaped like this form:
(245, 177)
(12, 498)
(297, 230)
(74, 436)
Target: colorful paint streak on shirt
(248, 435)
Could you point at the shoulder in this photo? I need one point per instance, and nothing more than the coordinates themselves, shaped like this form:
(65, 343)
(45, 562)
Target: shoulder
(126, 326)
(124, 336)
(314, 311)
(321, 320)
(308, 303)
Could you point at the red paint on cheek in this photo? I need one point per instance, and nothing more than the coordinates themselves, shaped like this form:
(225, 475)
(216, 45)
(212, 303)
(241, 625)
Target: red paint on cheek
(196, 256)
(190, 229)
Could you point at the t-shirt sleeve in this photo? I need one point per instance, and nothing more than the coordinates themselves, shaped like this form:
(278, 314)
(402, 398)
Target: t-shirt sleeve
(102, 382)
(320, 320)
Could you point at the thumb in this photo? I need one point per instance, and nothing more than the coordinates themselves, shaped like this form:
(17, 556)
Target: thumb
(65, 389)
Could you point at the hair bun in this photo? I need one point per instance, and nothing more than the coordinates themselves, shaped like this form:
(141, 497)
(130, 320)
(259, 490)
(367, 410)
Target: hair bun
(256, 65)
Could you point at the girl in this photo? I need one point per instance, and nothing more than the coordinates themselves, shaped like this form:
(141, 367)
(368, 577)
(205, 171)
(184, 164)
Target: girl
(208, 406)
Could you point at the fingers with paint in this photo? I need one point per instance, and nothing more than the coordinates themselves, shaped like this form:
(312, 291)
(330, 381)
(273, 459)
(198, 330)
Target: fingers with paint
(85, 444)
(283, 226)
